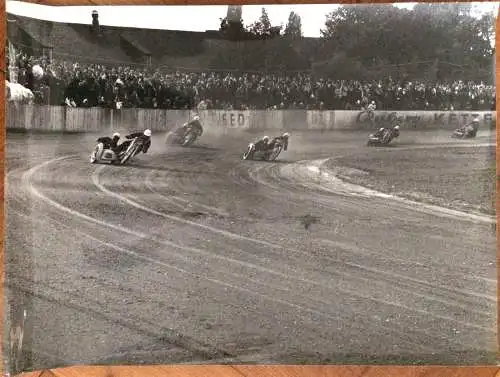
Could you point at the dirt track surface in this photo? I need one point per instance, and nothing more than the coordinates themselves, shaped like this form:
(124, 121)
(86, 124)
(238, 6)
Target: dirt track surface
(193, 255)
(428, 175)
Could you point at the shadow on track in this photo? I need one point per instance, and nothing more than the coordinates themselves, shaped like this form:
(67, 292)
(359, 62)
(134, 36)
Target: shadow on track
(388, 145)
(191, 147)
(144, 166)
(269, 162)
(204, 147)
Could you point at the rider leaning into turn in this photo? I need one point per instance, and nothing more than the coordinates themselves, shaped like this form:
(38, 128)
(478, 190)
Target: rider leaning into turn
(380, 132)
(395, 131)
(261, 144)
(471, 129)
(146, 136)
(264, 143)
(194, 123)
(283, 138)
(110, 142)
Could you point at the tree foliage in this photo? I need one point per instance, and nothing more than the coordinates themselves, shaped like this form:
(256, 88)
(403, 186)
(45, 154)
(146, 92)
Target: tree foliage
(434, 41)
(261, 46)
(258, 30)
(440, 37)
(262, 28)
(293, 28)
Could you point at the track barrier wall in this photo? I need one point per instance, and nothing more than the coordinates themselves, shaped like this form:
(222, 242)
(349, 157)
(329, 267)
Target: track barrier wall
(67, 119)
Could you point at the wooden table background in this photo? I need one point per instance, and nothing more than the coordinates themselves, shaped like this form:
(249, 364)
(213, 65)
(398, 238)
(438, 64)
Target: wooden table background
(228, 370)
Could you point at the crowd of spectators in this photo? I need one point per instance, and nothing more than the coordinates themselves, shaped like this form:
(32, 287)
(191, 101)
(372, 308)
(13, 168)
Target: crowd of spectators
(87, 85)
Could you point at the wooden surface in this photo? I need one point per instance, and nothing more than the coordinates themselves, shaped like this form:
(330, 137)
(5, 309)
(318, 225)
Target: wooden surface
(2, 172)
(266, 371)
(225, 370)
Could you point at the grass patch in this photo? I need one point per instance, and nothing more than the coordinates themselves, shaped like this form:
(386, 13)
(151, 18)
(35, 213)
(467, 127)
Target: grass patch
(459, 178)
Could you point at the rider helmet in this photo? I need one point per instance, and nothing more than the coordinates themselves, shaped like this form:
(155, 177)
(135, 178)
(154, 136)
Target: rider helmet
(381, 129)
(196, 117)
(147, 132)
(286, 135)
(397, 127)
(116, 134)
(476, 120)
(265, 138)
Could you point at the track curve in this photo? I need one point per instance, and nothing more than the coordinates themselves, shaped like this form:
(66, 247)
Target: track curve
(194, 255)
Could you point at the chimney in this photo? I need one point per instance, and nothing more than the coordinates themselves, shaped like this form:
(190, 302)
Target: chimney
(234, 13)
(95, 22)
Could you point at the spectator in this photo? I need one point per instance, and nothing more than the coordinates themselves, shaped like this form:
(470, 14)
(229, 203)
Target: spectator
(106, 86)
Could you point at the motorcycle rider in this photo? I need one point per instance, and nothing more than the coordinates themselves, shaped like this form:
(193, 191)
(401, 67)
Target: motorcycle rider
(283, 137)
(371, 107)
(146, 136)
(194, 123)
(108, 142)
(261, 144)
(471, 129)
(380, 133)
(395, 131)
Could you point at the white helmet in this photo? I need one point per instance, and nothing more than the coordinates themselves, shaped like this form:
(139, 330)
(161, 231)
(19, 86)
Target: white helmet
(286, 135)
(381, 129)
(147, 132)
(196, 117)
(116, 134)
(476, 120)
(396, 128)
(266, 138)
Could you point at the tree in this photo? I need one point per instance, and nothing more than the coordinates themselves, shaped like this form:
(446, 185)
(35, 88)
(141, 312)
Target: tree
(262, 28)
(407, 40)
(232, 30)
(263, 47)
(293, 28)
(486, 25)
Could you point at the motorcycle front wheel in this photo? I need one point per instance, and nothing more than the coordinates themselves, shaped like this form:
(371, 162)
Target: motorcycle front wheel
(188, 140)
(128, 154)
(274, 154)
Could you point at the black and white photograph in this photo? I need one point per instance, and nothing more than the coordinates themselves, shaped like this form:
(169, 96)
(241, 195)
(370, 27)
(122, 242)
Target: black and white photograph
(250, 184)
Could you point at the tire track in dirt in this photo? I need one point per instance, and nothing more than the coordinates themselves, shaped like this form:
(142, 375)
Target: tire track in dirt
(300, 307)
(144, 208)
(249, 291)
(338, 276)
